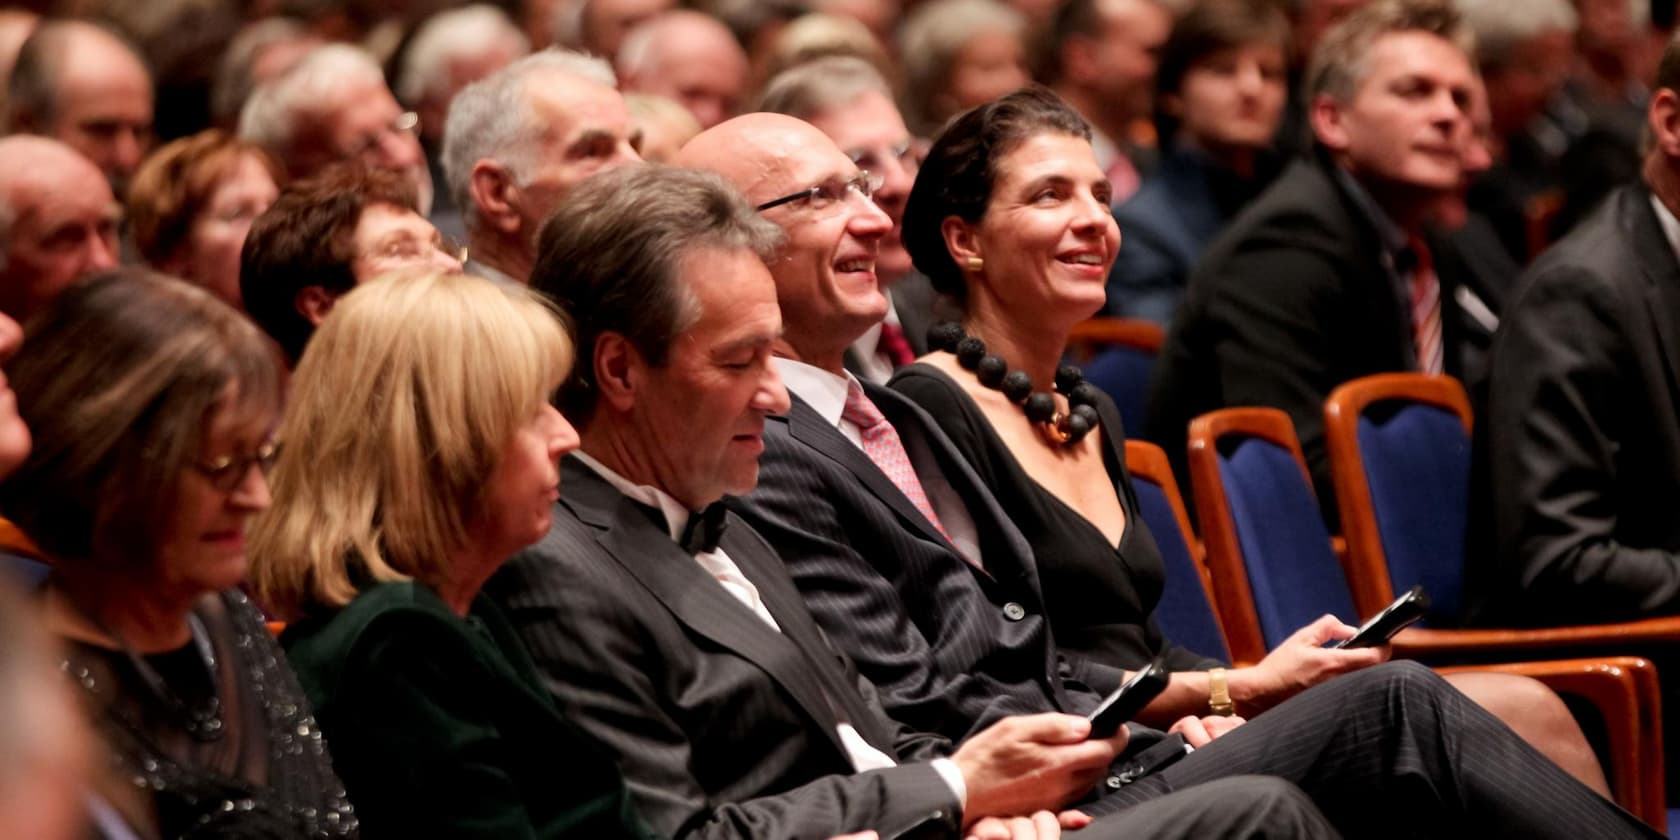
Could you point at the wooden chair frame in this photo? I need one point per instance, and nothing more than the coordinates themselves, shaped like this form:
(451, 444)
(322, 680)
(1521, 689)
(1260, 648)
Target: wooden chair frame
(1136, 333)
(1624, 689)
(1149, 462)
(1366, 564)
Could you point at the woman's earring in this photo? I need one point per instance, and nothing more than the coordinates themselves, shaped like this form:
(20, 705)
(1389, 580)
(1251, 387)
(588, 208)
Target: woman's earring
(975, 264)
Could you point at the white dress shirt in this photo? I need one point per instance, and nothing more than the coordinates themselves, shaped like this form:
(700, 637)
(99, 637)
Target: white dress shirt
(825, 392)
(866, 350)
(726, 573)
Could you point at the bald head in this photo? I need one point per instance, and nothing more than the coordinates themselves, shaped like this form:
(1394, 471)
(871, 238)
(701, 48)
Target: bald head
(79, 83)
(825, 274)
(58, 221)
(687, 57)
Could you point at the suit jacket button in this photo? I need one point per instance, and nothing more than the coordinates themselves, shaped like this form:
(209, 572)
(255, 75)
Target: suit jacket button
(1014, 611)
(1115, 782)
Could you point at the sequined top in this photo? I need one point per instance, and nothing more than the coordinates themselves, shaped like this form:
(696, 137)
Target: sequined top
(248, 762)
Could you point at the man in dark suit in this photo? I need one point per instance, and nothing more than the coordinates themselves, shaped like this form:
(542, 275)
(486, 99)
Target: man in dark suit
(692, 658)
(1584, 406)
(1324, 278)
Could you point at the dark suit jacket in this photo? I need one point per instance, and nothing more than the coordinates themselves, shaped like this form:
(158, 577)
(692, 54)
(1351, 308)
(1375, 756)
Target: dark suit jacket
(1164, 227)
(1584, 424)
(440, 727)
(951, 648)
(722, 726)
(1293, 299)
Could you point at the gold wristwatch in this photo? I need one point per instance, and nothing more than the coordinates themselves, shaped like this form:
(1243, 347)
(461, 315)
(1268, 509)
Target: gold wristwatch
(1219, 694)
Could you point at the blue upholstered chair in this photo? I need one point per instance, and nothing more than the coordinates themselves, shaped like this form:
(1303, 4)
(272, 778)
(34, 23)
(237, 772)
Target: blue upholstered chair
(1118, 356)
(1185, 612)
(21, 571)
(1274, 571)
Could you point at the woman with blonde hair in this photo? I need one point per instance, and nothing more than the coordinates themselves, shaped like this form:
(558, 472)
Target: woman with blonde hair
(427, 454)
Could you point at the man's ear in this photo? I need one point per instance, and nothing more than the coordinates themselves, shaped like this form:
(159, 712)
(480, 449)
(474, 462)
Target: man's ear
(1325, 115)
(494, 195)
(619, 371)
(1663, 119)
(960, 241)
(314, 302)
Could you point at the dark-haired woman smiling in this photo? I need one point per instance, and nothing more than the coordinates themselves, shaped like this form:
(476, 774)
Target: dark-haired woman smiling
(1009, 215)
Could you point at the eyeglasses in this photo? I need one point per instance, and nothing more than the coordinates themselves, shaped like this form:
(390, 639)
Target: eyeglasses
(406, 122)
(228, 472)
(821, 196)
(408, 249)
(875, 159)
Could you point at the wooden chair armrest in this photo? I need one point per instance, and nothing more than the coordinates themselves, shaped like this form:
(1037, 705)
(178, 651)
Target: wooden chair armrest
(1422, 643)
(1624, 690)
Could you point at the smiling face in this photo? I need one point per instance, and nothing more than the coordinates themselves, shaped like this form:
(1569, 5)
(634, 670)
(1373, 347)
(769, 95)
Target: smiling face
(1408, 121)
(701, 414)
(1048, 238)
(825, 272)
(870, 131)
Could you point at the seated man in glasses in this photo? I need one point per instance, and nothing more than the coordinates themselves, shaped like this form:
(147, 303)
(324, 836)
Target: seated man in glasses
(321, 237)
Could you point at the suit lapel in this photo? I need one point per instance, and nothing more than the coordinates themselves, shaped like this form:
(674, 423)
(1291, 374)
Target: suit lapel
(639, 544)
(1662, 276)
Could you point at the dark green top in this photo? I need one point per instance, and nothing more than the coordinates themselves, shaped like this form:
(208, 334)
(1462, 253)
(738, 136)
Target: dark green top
(441, 728)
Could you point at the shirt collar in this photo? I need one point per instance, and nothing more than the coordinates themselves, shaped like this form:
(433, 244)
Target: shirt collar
(821, 390)
(1670, 225)
(676, 515)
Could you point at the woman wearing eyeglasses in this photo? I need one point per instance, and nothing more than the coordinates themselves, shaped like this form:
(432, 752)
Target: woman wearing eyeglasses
(153, 407)
(193, 201)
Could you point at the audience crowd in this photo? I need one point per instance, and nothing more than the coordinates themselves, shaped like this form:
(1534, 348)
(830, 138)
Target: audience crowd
(653, 418)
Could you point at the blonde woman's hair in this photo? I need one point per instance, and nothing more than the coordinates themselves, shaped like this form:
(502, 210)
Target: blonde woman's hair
(398, 414)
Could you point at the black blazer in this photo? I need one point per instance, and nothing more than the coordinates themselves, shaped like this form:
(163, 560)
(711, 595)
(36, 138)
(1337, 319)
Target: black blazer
(951, 648)
(1584, 424)
(1292, 300)
(722, 726)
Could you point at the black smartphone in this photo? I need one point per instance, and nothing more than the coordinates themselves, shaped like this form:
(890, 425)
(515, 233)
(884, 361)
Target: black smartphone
(1405, 611)
(1129, 699)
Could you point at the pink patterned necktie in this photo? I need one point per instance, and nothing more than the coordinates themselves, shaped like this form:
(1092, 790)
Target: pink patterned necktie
(1426, 311)
(881, 444)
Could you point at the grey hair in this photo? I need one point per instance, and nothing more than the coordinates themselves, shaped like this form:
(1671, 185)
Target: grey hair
(931, 39)
(1338, 62)
(1503, 25)
(610, 254)
(457, 33)
(808, 89)
(491, 119)
(272, 116)
(232, 84)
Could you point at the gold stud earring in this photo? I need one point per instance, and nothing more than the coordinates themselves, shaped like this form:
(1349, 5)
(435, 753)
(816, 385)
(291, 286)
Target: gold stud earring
(975, 264)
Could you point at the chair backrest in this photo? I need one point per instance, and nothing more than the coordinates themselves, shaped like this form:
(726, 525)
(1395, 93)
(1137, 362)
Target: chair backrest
(1399, 448)
(1274, 571)
(25, 573)
(1185, 612)
(1118, 356)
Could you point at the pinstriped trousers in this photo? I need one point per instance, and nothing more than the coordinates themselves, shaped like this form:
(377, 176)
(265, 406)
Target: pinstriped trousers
(1393, 751)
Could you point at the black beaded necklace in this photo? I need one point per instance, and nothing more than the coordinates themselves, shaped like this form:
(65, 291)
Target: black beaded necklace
(993, 372)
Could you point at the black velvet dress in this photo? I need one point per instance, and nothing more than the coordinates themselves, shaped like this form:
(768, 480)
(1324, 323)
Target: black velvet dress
(1100, 597)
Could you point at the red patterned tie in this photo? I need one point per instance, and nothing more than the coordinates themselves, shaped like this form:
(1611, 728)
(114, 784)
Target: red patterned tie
(1426, 311)
(881, 444)
(895, 346)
